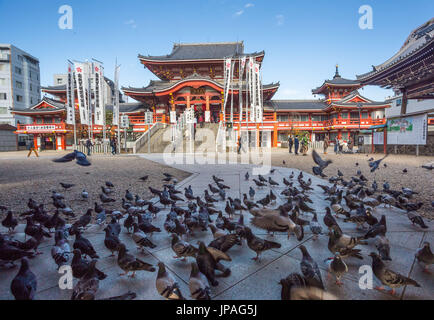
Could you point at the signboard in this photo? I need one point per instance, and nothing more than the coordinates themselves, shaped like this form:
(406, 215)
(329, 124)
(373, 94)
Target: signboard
(207, 116)
(125, 121)
(98, 92)
(172, 116)
(407, 130)
(41, 127)
(189, 116)
(379, 137)
(149, 117)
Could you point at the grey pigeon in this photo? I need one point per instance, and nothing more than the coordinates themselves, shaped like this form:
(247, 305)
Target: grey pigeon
(166, 284)
(24, 285)
(310, 269)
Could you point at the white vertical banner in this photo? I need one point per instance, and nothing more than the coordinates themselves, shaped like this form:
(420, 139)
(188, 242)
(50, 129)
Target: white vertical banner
(258, 94)
(70, 95)
(116, 101)
(228, 79)
(81, 78)
(251, 89)
(98, 88)
(240, 79)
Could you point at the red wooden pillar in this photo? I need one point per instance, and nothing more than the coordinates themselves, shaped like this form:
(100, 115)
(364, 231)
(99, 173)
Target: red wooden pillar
(275, 136)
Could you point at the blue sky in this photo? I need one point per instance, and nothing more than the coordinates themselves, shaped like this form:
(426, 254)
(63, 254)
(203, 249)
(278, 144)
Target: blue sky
(303, 40)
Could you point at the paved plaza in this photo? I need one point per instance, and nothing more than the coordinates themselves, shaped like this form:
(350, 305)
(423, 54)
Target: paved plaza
(249, 279)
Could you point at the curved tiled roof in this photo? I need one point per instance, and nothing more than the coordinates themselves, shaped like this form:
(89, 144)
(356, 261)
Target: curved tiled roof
(296, 105)
(420, 38)
(337, 81)
(201, 51)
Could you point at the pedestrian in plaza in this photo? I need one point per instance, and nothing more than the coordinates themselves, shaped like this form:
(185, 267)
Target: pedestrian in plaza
(88, 146)
(32, 148)
(296, 144)
(239, 144)
(326, 144)
(290, 143)
(350, 144)
(201, 120)
(113, 145)
(336, 148)
(305, 144)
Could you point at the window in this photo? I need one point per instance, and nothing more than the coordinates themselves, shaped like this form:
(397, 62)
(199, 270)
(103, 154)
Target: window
(59, 80)
(20, 58)
(19, 98)
(364, 115)
(3, 110)
(30, 74)
(38, 120)
(344, 115)
(398, 102)
(18, 70)
(3, 96)
(48, 120)
(31, 100)
(2, 81)
(19, 84)
(354, 115)
(31, 87)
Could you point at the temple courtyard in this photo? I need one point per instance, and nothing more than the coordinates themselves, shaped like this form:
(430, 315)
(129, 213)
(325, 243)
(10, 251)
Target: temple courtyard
(21, 178)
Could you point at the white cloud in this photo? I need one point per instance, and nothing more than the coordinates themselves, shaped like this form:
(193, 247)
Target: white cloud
(238, 13)
(280, 19)
(289, 92)
(249, 5)
(131, 23)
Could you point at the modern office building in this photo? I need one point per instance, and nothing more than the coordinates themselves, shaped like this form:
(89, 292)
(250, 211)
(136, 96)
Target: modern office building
(19, 83)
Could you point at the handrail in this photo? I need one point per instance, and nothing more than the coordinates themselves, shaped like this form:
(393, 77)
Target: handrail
(140, 142)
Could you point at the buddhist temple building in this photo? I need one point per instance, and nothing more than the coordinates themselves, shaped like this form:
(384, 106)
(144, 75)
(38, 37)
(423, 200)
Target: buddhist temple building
(192, 76)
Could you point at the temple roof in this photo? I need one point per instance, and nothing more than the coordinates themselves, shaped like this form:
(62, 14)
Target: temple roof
(131, 107)
(420, 38)
(161, 85)
(7, 127)
(201, 51)
(337, 81)
(308, 105)
(62, 87)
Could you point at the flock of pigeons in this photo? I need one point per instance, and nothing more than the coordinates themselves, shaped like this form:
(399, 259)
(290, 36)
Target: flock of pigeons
(352, 199)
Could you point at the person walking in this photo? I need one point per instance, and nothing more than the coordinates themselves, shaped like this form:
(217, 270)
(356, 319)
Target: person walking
(336, 148)
(88, 146)
(350, 144)
(239, 144)
(326, 144)
(113, 145)
(296, 144)
(32, 148)
(290, 143)
(305, 144)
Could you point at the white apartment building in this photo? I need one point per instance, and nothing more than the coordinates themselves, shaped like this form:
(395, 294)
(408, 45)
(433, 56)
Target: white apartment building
(413, 106)
(19, 83)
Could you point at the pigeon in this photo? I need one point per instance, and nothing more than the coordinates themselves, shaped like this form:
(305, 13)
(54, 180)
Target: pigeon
(84, 246)
(213, 189)
(140, 238)
(24, 285)
(259, 183)
(146, 226)
(320, 162)
(128, 195)
(379, 228)
(315, 227)
(337, 267)
(144, 178)
(10, 222)
(216, 179)
(80, 158)
(374, 164)
(208, 260)
(329, 220)
(198, 284)
(428, 167)
(84, 219)
(105, 199)
(109, 184)
(128, 262)
(272, 182)
(257, 244)
(166, 284)
(128, 223)
(388, 277)
(87, 287)
(383, 247)
(425, 257)
(111, 241)
(222, 194)
(101, 218)
(80, 266)
(182, 248)
(295, 287)
(251, 193)
(265, 201)
(9, 253)
(405, 170)
(106, 190)
(217, 233)
(66, 186)
(310, 269)
(61, 251)
(416, 219)
(223, 242)
(84, 195)
(222, 186)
